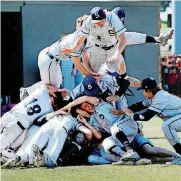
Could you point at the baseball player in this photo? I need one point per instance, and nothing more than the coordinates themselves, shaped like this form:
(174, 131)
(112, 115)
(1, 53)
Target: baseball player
(163, 104)
(107, 32)
(139, 38)
(21, 117)
(121, 127)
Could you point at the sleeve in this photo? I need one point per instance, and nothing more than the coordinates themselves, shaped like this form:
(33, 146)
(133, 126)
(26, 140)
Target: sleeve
(117, 24)
(158, 105)
(146, 116)
(93, 122)
(138, 106)
(85, 31)
(77, 91)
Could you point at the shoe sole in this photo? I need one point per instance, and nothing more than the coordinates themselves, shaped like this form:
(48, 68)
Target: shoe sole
(143, 162)
(36, 151)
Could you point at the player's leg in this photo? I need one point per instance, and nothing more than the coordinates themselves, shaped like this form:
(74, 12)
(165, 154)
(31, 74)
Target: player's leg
(10, 133)
(125, 132)
(54, 147)
(50, 71)
(170, 128)
(113, 146)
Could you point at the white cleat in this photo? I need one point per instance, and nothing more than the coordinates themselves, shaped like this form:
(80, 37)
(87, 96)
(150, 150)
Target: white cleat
(165, 37)
(38, 161)
(130, 156)
(11, 162)
(143, 161)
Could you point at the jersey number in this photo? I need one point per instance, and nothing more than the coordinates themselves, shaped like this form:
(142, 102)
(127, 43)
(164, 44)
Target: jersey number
(33, 110)
(111, 32)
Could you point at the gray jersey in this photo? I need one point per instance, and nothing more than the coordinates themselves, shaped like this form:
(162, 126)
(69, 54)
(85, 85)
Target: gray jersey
(68, 42)
(166, 104)
(104, 116)
(106, 35)
(32, 107)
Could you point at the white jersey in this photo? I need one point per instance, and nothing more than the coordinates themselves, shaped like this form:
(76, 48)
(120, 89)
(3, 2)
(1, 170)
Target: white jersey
(107, 35)
(32, 107)
(104, 116)
(166, 104)
(68, 42)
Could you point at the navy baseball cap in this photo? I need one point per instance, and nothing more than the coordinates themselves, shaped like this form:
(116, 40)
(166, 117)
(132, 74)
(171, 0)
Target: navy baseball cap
(148, 83)
(90, 86)
(97, 14)
(120, 13)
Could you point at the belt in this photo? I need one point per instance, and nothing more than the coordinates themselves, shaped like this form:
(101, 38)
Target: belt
(20, 125)
(52, 57)
(106, 48)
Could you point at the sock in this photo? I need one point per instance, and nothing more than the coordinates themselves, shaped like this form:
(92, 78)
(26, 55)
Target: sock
(116, 151)
(150, 39)
(177, 148)
(124, 140)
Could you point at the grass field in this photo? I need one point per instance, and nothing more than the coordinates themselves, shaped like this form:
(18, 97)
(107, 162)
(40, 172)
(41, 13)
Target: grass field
(158, 172)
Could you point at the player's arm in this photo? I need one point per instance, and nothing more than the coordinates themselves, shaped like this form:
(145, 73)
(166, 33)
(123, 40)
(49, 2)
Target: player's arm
(122, 44)
(80, 100)
(95, 133)
(79, 66)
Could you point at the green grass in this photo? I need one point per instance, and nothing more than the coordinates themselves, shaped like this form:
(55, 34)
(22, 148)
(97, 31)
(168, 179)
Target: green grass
(160, 172)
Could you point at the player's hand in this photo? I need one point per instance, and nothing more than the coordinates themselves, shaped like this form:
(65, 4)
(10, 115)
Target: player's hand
(81, 119)
(83, 113)
(112, 98)
(64, 92)
(117, 112)
(113, 58)
(66, 50)
(67, 108)
(135, 84)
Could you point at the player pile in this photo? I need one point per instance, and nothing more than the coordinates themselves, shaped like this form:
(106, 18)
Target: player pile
(92, 124)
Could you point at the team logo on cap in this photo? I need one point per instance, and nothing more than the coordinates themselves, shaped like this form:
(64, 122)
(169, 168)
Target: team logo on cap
(89, 86)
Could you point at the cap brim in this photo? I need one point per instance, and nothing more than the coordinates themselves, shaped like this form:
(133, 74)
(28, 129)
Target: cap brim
(139, 88)
(92, 92)
(96, 21)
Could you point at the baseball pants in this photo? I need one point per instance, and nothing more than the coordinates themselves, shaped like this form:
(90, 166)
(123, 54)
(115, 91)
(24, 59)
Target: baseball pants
(170, 128)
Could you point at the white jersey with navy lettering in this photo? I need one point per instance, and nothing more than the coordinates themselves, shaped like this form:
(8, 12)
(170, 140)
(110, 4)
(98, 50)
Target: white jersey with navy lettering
(166, 104)
(104, 36)
(32, 107)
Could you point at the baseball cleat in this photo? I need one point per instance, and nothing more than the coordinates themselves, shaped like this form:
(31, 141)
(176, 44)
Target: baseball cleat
(38, 162)
(130, 156)
(121, 162)
(11, 162)
(165, 37)
(143, 161)
(176, 161)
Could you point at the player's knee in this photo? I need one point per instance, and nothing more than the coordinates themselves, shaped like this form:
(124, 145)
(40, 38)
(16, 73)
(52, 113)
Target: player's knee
(92, 159)
(107, 145)
(114, 131)
(164, 127)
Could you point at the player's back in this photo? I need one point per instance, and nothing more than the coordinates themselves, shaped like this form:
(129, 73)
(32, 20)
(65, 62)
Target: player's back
(170, 105)
(32, 107)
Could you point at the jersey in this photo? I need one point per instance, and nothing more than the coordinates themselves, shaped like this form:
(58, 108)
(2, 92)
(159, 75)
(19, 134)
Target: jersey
(68, 42)
(166, 104)
(32, 107)
(104, 36)
(104, 116)
(107, 84)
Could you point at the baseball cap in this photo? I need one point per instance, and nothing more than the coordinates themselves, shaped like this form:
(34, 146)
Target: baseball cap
(90, 86)
(97, 14)
(120, 13)
(148, 83)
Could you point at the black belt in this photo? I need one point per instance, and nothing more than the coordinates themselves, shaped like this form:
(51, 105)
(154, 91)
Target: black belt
(20, 125)
(106, 48)
(52, 57)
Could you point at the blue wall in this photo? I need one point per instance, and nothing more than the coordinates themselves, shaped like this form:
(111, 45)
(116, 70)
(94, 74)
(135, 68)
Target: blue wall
(44, 24)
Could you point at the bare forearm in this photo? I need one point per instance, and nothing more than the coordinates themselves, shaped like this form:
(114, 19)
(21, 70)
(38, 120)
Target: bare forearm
(79, 66)
(79, 43)
(86, 61)
(122, 43)
(95, 133)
